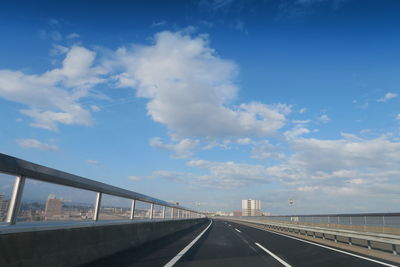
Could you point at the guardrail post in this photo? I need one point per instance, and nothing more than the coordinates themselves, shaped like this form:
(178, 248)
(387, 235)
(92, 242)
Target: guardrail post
(97, 207)
(172, 213)
(179, 213)
(369, 244)
(15, 201)
(394, 249)
(133, 209)
(350, 242)
(163, 212)
(151, 211)
(383, 224)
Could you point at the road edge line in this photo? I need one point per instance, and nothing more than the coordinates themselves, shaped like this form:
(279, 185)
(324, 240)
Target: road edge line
(331, 248)
(273, 255)
(185, 249)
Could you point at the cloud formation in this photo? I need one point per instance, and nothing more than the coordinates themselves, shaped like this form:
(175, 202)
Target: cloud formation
(387, 97)
(218, 174)
(182, 149)
(190, 89)
(53, 97)
(35, 144)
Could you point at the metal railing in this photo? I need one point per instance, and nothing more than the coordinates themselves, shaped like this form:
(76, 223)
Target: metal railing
(323, 233)
(367, 222)
(27, 170)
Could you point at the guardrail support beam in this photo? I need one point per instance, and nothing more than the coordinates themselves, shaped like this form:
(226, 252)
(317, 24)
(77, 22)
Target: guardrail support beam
(133, 209)
(163, 212)
(97, 207)
(15, 201)
(151, 211)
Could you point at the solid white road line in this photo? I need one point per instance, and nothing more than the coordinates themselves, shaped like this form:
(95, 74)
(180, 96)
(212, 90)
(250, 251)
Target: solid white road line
(334, 249)
(183, 251)
(238, 230)
(273, 255)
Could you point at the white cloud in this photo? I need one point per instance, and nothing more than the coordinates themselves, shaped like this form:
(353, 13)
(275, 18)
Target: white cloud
(239, 25)
(265, 150)
(72, 36)
(56, 36)
(308, 188)
(330, 155)
(35, 144)
(54, 22)
(216, 4)
(356, 181)
(218, 174)
(351, 136)
(53, 96)
(190, 88)
(230, 173)
(58, 50)
(303, 122)
(324, 118)
(302, 110)
(183, 149)
(398, 117)
(351, 167)
(387, 97)
(158, 23)
(243, 141)
(296, 132)
(134, 178)
(92, 161)
(95, 108)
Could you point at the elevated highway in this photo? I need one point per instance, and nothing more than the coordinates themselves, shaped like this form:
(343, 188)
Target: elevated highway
(227, 243)
(171, 236)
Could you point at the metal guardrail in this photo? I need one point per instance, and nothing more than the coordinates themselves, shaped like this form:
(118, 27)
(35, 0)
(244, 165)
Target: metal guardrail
(24, 169)
(392, 240)
(362, 219)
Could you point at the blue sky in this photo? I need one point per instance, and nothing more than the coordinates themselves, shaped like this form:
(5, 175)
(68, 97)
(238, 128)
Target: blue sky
(210, 102)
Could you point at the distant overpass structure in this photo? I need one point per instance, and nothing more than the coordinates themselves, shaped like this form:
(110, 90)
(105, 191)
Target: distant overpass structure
(146, 231)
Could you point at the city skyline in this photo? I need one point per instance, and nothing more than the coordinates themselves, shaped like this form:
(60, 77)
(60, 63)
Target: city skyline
(209, 103)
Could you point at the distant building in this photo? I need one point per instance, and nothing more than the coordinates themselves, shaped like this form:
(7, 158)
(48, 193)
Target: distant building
(251, 207)
(223, 213)
(237, 213)
(3, 208)
(53, 208)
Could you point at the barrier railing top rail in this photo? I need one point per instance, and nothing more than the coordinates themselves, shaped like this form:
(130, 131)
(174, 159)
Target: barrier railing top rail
(339, 214)
(24, 169)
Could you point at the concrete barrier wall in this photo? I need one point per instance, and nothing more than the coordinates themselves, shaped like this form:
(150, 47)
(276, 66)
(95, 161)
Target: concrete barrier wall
(71, 247)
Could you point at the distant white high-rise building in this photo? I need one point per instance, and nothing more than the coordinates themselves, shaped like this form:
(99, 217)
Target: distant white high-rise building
(53, 207)
(251, 207)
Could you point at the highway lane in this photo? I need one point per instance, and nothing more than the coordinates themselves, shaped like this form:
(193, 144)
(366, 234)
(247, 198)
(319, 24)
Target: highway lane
(223, 243)
(298, 253)
(153, 254)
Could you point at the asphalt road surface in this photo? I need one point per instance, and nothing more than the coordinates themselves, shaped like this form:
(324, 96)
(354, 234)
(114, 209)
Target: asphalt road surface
(223, 243)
